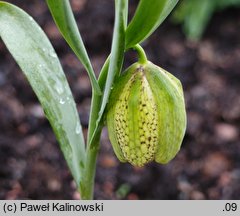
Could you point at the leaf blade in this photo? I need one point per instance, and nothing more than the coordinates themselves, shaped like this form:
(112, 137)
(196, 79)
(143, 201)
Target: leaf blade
(116, 58)
(36, 57)
(148, 16)
(63, 16)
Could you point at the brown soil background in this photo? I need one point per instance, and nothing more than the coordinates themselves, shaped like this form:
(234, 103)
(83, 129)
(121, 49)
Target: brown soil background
(208, 165)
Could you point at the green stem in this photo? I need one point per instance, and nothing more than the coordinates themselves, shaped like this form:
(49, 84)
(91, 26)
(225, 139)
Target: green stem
(98, 105)
(87, 184)
(142, 58)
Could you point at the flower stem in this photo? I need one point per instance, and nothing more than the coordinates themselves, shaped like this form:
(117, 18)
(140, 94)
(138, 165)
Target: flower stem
(142, 58)
(87, 184)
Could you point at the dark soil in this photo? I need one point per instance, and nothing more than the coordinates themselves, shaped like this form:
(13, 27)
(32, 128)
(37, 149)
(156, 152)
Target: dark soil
(208, 165)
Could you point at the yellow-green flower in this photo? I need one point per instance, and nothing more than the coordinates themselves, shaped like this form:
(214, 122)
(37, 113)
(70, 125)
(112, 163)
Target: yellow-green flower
(146, 115)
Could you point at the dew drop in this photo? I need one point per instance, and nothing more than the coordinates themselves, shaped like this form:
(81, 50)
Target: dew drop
(78, 128)
(58, 87)
(62, 101)
(53, 54)
(68, 99)
(44, 49)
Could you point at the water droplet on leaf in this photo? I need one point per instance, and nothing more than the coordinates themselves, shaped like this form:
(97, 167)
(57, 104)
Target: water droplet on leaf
(44, 49)
(78, 128)
(68, 99)
(59, 88)
(62, 101)
(53, 54)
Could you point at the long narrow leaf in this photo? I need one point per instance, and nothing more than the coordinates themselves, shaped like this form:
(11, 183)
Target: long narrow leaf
(117, 54)
(36, 57)
(198, 16)
(148, 16)
(195, 16)
(126, 14)
(64, 18)
(96, 100)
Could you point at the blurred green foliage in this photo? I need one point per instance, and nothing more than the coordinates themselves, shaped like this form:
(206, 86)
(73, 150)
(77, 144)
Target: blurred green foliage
(123, 191)
(194, 15)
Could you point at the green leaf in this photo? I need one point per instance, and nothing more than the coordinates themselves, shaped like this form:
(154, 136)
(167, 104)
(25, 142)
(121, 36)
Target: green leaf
(222, 4)
(96, 100)
(195, 15)
(198, 15)
(36, 57)
(148, 16)
(116, 58)
(64, 19)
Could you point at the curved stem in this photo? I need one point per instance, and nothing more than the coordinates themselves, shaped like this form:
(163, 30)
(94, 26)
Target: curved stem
(142, 58)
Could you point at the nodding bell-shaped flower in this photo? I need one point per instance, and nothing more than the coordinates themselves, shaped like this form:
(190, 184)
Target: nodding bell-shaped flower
(146, 115)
